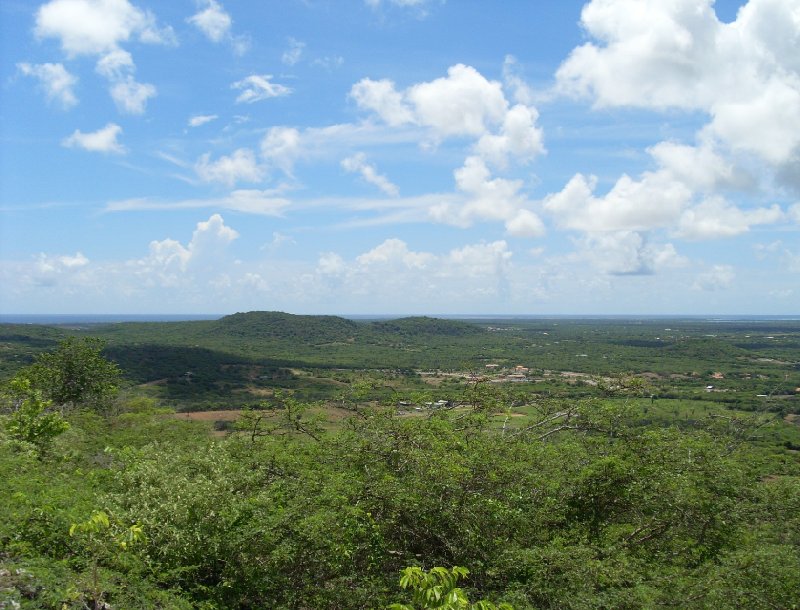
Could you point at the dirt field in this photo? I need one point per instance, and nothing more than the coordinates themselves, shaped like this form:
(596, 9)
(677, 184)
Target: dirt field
(209, 416)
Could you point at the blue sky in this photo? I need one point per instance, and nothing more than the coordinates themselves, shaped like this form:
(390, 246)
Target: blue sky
(400, 156)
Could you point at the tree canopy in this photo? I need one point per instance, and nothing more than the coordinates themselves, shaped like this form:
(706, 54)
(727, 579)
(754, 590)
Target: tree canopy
(75, 373)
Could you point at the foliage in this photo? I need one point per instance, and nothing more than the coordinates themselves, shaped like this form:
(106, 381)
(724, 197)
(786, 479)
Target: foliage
(32, 421)
(566, 492)
(76, 373)
(437, 589)
(101, 535)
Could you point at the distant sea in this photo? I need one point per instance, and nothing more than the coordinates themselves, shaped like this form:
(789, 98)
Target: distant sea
(103, 318)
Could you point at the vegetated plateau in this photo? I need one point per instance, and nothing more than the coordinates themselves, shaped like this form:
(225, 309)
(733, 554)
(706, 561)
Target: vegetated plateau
(266, 460)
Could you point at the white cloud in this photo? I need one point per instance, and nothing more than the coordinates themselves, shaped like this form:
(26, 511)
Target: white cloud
(395, 252)
(58, 271)
(487, 198)
(463, 103)
(115, 65)
(719, 277)
(240, 166)
(677, 54)
(330, 263)
(381, 97)
(485, 259)
(626, 253)
(518, 137)
(698, 167)
(103, 140)
(130, 96)
(716, 218)
(169, 263)
(292, 55)
(212, 20)
(521, 91)
(97, 27)
(201, 119)
(281, 146)
(654, 201)
(215, 23)
(525, 223)
(257, 87)
(48, 264)
(394, 276)
(358, 164)
(55, 79)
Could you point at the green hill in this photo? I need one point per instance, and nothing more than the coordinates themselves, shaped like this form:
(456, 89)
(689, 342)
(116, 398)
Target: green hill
(423, 326)
(284, 326)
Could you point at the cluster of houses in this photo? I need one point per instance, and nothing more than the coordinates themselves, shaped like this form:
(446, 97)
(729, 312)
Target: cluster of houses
(519, 373)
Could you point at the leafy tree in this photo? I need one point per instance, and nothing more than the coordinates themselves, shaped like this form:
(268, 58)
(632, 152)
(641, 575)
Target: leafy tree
(101, 534)
(437, 589)
(32, 420)
(76, 373)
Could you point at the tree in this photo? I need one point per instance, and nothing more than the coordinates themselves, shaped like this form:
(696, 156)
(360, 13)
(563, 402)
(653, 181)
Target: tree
(437, 589)
(76, 373)
(32, 421)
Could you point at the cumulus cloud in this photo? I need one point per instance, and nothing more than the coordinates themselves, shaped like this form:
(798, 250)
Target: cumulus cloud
(99, 28)
(257, 87)
(519, 137)
(626, 253)
(659, 54)
(381, 97)
(103, 140)
(395, 252)
(358, 164)
(65, 273)
(168, 259)
(58, 83)
(241, 166)
(487, 198)
(654, 201)
(681, 195)
(281, 147)
(463, 103)
(715, 218)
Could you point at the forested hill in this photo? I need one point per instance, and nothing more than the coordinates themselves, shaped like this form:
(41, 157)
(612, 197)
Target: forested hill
(279, 325)
(423, 326)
